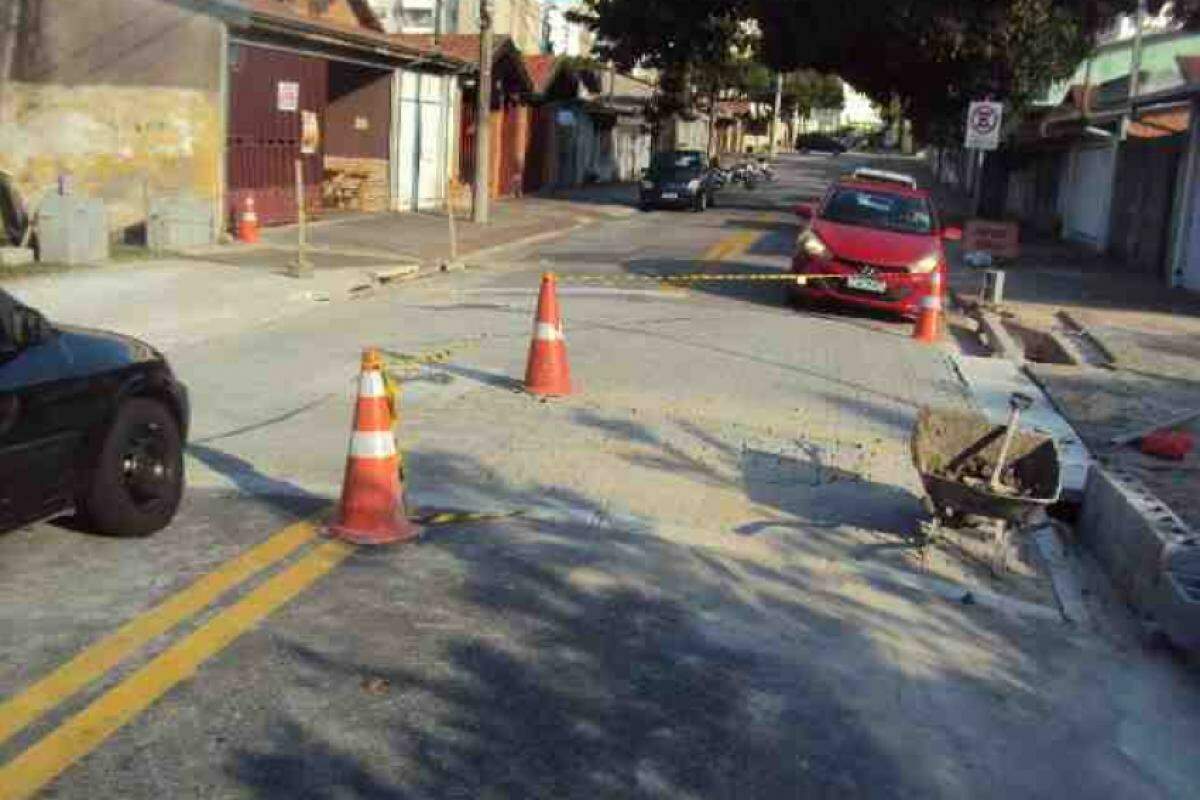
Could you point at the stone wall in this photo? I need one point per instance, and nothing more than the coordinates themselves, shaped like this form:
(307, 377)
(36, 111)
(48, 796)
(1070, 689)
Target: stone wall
(122, 95)
(121, 144)
(358, 184)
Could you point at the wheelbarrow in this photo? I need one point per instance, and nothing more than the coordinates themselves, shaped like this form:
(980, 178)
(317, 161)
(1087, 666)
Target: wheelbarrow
(978, 474)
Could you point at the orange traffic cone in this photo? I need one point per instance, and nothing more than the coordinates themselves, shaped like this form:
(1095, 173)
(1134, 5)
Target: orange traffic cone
(372, 508)
(548, 373)
(247, 228)
(929, 320)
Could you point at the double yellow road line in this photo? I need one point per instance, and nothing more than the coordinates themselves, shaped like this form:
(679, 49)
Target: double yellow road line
(30, 771)
(34, 768)
(731, 247)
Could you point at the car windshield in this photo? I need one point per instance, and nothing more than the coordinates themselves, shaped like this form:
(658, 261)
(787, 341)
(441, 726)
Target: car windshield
(673, 163)
(882, 210)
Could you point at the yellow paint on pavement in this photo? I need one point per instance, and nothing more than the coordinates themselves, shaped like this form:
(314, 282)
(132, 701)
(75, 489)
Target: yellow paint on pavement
(23, 709)
(81, 734)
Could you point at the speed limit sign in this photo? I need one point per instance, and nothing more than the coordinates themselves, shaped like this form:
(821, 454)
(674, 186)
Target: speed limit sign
(983, 125)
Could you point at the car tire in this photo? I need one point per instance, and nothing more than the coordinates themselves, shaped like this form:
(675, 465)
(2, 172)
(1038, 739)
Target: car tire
(644, 207)
(136, 482)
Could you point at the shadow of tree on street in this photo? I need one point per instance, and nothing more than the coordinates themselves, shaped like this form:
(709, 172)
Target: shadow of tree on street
(525, 659)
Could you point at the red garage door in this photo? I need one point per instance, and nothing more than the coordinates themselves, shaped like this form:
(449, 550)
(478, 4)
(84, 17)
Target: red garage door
(269, 91)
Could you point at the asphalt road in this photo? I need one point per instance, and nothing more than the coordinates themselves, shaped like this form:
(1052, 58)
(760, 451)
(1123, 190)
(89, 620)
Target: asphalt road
(709, 591)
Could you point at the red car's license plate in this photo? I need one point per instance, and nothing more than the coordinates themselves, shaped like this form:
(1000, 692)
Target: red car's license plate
(866, 284)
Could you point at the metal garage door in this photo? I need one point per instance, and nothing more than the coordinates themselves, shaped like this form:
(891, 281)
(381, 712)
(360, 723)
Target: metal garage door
(268, 92)
(1090, 197)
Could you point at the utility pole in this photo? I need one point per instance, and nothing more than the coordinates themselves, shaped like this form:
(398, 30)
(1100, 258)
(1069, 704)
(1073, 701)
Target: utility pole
(1135, 66)
(483, 112)
(10, 33)
(778, 110)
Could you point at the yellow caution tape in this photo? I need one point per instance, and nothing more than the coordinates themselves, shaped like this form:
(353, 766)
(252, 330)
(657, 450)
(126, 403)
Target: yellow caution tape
(392, 391)
(459, 517)
(702, 277)
(405, 363)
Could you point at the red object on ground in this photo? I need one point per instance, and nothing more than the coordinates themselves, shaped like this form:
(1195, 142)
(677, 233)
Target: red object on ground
(372, 507)
(887, 269)
(1174, 445)
(247, 229)
(548, 373)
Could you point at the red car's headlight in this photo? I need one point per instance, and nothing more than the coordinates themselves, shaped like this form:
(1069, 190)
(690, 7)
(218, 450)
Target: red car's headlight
(813, 247)
(925, 265)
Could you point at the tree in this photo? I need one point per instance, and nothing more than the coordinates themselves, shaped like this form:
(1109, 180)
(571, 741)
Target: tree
(932, 56)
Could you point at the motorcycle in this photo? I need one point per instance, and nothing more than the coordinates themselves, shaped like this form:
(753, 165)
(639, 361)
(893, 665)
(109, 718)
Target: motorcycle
(745, 174)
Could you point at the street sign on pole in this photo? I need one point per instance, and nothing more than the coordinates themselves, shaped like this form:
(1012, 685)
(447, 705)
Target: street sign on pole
(983, 125)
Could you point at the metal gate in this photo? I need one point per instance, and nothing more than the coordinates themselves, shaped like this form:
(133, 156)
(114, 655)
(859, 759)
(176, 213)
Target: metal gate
(269, 93)
(512, 150)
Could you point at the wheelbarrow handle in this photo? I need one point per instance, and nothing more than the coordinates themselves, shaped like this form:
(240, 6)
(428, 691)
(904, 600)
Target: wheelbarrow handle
(1019, 401)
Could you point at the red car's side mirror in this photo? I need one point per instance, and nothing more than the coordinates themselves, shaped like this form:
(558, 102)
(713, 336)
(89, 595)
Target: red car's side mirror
(803, 210)
(952, 234)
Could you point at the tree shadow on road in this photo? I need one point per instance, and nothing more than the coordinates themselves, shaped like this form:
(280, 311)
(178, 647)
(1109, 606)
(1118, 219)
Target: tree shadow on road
(523, 659)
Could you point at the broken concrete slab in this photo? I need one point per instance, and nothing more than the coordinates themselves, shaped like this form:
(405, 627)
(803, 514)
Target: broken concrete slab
(396, 273)
(999, 339)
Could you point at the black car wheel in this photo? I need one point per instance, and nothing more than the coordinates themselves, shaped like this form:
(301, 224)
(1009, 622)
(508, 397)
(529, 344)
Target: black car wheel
(137, 481)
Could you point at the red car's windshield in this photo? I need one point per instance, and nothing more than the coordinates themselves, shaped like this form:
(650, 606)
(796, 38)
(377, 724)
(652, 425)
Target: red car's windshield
(881, 210)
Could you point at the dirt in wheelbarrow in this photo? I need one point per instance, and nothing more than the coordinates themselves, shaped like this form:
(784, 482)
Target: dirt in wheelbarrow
(977, 474)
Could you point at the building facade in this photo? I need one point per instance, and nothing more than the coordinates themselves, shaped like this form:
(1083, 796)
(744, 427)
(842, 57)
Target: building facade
(560, 35)
(521, 20)
(208, 104)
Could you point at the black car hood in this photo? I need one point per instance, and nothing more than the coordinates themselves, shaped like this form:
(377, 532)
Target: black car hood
(95, 351)
(72, 353)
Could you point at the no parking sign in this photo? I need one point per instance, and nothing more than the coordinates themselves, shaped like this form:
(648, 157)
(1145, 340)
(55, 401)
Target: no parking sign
(983, 125)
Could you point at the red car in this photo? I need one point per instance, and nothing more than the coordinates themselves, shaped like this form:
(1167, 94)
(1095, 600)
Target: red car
(882, 235)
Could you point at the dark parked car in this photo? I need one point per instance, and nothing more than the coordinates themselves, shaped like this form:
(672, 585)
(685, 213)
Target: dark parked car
(678, 179)
(90, 421)
(819, 143)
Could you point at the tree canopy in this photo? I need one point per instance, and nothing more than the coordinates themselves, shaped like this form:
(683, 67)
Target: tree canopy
(930, 56)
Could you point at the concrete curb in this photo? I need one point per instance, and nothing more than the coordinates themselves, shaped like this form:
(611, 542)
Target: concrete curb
(1076, 323)
(1149, 553)
(1068, 588)
(998, 338)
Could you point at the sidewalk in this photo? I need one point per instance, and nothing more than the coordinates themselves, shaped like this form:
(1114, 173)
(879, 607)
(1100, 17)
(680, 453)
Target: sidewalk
(1123, 354)
(224, 289)
(424, 237)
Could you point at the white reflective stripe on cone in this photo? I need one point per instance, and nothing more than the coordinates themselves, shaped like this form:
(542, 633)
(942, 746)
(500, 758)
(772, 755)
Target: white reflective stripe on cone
(372, 444)
(546, 332)
(371, 385)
